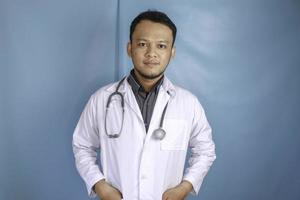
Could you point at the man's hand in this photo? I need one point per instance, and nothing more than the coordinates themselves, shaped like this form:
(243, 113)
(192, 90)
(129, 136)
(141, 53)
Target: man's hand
(180, 192)
(107, 192)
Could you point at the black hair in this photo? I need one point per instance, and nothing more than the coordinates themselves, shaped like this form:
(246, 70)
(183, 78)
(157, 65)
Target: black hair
(154, 16)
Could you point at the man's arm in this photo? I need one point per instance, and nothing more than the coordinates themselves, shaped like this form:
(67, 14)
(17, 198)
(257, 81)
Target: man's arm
(85, 143)
(202, 149)
(203, 154)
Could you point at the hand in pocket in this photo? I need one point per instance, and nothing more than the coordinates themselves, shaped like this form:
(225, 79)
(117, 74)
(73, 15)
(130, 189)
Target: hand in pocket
(106, 191)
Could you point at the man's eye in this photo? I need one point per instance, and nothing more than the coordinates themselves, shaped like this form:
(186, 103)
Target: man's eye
(162, 46)
(141, 44)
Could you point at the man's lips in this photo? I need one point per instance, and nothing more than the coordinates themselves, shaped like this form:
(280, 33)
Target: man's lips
(151, 62)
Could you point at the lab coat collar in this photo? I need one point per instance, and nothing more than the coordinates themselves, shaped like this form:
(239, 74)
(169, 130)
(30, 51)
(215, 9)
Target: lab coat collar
(167, 90)
(167, 86)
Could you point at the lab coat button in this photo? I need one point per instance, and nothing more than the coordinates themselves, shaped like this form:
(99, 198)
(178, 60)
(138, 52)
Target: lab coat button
(143, 177)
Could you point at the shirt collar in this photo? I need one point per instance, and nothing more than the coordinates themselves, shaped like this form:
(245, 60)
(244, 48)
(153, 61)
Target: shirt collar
(137, 87)
(166, 86)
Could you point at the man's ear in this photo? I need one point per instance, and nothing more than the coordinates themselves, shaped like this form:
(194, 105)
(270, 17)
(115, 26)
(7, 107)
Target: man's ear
(129, 49)
(173, 52)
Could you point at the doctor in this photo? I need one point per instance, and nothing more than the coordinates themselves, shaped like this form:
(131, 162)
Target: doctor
(144, 125)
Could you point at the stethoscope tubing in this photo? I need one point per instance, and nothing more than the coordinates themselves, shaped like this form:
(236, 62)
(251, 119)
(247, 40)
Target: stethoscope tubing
(158, 133)
(116, 92)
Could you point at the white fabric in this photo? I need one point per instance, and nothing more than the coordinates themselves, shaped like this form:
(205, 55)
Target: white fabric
(141, 167)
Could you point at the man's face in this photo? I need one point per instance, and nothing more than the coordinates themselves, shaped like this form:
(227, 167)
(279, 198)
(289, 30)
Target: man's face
(151, 49)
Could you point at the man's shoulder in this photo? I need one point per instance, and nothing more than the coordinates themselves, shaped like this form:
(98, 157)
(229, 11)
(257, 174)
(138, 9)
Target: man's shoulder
(187, 98)
(104, 90)
(183, 92)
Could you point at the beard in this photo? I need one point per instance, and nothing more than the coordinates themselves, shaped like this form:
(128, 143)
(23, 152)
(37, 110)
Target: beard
(150, 75)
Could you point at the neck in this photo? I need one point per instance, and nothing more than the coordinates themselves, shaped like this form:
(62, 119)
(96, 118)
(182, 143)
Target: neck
(147, 84)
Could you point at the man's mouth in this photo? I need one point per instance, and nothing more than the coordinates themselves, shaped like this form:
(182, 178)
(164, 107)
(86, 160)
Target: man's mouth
(151, 62)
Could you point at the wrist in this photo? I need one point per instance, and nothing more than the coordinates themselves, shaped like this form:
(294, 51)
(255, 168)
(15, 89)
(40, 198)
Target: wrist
(99, 186)
(186, 186)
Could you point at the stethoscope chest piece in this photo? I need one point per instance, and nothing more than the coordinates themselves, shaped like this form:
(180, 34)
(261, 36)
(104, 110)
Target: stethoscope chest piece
(159, 134)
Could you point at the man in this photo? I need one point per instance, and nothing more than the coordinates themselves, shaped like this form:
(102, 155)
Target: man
(143, 146)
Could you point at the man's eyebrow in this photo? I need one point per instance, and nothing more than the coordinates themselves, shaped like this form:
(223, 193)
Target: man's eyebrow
(139, 39)
(161, 41)
(164, 41)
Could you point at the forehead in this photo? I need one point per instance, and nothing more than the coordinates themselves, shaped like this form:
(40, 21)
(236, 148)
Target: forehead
(147, 29)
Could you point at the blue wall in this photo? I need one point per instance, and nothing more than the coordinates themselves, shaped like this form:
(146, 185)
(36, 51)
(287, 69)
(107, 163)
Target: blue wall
(241, 58)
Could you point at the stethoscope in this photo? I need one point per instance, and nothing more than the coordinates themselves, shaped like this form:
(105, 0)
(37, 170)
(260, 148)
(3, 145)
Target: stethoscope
(158, 133)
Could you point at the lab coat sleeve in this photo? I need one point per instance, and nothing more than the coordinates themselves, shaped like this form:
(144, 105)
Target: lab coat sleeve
(202, 149)
(85, 144)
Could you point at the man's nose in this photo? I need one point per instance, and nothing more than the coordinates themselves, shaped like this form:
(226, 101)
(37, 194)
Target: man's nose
(151, 52)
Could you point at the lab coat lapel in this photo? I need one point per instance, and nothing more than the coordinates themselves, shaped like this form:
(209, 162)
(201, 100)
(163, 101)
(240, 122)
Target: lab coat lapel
(166, 91)
(130, 100)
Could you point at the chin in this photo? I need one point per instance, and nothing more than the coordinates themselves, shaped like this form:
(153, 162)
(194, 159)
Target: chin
(151, 75)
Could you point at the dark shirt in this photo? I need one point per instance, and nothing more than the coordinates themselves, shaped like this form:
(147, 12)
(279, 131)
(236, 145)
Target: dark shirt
(145, 100)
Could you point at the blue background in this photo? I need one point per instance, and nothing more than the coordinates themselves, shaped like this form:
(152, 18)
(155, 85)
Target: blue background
(241, 58)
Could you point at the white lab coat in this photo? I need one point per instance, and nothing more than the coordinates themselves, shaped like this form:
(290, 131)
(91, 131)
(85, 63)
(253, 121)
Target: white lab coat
(138, 165)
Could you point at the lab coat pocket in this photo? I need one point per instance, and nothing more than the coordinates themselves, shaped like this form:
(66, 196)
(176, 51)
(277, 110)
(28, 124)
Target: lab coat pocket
(176, 135)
